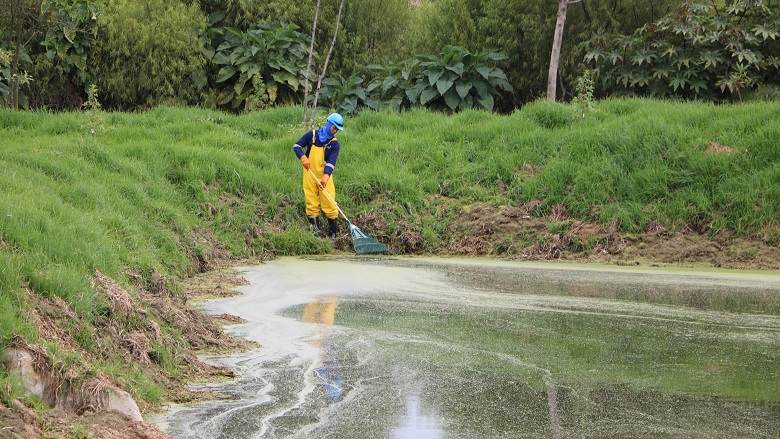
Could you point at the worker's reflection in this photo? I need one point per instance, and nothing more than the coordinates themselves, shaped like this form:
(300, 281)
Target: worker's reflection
(323, 312)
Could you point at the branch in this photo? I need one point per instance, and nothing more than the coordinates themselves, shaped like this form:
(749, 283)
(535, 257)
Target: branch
(327, 58)
(308, 66)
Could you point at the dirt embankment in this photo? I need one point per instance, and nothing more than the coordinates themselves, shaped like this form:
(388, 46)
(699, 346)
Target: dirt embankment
(129, 332)
(518, 232)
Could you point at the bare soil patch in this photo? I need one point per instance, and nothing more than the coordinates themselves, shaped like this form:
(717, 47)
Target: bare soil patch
(519, 233)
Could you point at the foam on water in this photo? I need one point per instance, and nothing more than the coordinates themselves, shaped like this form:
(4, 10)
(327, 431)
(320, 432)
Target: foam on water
(377, 374)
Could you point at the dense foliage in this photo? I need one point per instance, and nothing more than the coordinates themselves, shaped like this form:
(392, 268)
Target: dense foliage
(231, 53)
(454, 80)
(150, 53)
(702, 51)
(259, 67)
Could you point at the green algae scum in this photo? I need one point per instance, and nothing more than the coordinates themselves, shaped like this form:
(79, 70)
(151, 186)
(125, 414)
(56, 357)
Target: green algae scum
(444, 348)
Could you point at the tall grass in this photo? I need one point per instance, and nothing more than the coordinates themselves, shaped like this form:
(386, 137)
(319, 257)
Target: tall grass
(138, 196)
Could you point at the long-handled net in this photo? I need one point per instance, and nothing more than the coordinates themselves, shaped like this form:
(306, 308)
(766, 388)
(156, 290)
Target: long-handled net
(362, 243)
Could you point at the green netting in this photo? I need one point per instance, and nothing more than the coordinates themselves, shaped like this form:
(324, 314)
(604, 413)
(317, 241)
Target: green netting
(364, 244)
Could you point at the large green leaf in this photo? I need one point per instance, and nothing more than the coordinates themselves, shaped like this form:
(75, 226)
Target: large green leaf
(698, 86)
(678, 82)
(452, 99)
(240, 57)
(594, 55)
(746, 55)
(372, 104)
(712, 58)
(640, 79)
(458, 68)
(484, 70)
(287, 78)
(496, 73)
(663, 71)
(481, 87)
(225, 46)
(767, 31)
(225, 97)
(643, 56)
(502, 84)
(615, 57)
(389, 82)
(226, 73)
(395, 102)
(428, 94)
(413, 93)
(486, 102)
(240, 86)
(443, 85)
(468, 102)
(221, 59)
(330, 81)
(463, 88)
(434, 75)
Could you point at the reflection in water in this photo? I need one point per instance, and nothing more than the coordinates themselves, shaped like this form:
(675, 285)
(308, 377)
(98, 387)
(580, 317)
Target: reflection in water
(416, 424)
(323, 312)
(555, 418)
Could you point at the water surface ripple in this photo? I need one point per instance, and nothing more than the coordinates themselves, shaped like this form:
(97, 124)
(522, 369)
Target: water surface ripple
(447, 348)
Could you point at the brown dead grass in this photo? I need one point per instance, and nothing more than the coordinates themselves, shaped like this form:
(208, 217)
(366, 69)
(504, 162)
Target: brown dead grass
(519, 232)
(23, 423)
(717, 148)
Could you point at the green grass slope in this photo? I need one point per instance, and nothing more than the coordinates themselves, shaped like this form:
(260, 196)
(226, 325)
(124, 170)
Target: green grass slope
(158, 195)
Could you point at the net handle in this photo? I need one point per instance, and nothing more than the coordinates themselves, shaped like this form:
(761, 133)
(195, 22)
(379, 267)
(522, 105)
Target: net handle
(328, 195)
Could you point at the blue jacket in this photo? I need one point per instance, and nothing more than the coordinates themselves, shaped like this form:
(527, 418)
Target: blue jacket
(331, 149)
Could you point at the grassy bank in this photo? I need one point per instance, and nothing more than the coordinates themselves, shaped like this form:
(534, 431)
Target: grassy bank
(153, 197)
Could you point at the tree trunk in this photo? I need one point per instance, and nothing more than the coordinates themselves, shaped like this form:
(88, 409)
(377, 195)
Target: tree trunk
(308, 66)
(14, 82)
(325, 67)
(18, 24)
(552, 74)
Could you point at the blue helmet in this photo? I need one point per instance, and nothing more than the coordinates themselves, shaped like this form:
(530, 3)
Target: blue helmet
(336, 120)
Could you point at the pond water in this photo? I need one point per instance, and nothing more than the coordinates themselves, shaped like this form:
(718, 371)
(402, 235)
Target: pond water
(471, 348)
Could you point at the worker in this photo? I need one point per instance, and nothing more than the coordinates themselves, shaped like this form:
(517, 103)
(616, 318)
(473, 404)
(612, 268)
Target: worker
(318, 150)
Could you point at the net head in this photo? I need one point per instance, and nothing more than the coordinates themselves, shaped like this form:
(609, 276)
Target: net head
(364, 244)
(369, 246)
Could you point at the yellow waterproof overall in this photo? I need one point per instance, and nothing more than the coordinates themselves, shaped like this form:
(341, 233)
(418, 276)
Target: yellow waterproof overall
(312, 190)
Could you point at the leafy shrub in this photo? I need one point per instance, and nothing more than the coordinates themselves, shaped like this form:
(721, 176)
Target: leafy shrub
(149, 53)
(456, 80)
(700, 50)
(346, 96)
(257, 68)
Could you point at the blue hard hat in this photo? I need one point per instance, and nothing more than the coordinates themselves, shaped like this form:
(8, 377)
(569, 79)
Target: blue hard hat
(336, 120)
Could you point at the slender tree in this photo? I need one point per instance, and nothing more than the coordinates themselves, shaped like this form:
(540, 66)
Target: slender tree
(17, 24)
(552, 74)
(325, 66)
(308, 65)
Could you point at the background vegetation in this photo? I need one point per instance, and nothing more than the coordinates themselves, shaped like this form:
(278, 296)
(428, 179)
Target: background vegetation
(238, 55)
